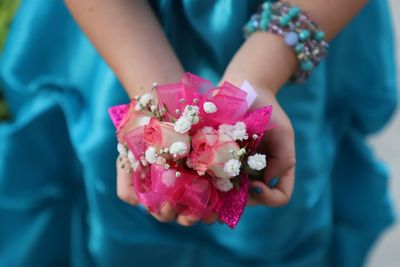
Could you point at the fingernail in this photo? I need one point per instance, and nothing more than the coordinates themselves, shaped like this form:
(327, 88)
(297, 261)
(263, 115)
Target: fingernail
(273, 182)
(256, 190)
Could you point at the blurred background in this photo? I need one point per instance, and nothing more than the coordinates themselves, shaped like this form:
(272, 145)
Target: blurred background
(387, 146)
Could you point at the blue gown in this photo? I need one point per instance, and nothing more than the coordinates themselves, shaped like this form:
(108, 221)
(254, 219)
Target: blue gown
(58, 203)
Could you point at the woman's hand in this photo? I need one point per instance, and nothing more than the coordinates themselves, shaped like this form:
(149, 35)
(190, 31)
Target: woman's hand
(267, 63)
(276, 187)
(278, 145)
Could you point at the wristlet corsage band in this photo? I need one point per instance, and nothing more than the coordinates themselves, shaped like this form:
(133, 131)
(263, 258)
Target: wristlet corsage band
(297, 30)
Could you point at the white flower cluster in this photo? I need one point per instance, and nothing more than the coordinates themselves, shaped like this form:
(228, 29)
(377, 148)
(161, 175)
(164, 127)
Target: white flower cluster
(223, 185)
(144, 100)
(122, 150)
(257, 162)
(134, 163)
(178, 148)
(168, 178)
(126, 153)
(232, 167)
(182, 125)
(236, 132)
(209, 107)
(151, 155)
(192, 113)
(190, 116)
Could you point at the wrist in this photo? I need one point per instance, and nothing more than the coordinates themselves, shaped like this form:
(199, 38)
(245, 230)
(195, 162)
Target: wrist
(264, 60)
(140, 84)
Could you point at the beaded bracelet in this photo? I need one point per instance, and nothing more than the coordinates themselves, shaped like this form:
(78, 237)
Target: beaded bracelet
(298, 31)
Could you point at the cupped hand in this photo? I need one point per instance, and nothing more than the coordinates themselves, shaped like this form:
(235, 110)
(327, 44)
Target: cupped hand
(276, 186)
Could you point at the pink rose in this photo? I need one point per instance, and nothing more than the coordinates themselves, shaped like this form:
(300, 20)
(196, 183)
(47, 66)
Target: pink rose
(211, 151)
(161, 135)
(131, 120)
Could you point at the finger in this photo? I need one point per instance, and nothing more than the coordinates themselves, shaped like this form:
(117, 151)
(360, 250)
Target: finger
(125, 189)
(211, 219)
(166, 214)
(276, 196)
(187, 220)
(278, 166)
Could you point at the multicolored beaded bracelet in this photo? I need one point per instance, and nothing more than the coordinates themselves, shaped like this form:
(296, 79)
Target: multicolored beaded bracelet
(298, 31)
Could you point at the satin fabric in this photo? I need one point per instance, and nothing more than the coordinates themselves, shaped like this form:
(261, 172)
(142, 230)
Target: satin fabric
(58, 205)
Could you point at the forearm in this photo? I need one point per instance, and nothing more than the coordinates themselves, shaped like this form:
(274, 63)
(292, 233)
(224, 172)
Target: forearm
(130, 39)
(266, 61)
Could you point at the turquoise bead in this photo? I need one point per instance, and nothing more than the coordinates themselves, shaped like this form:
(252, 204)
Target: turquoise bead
(306, 65)
(266, 6)
(250, 27)
(299, 48)
(294, 11)
(264, 24)
(320, 35)
(266, 14)
(284, 20)
(304, 35)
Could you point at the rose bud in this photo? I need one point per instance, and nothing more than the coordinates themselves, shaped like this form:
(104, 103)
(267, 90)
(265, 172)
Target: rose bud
(211, 151)
(161, 135)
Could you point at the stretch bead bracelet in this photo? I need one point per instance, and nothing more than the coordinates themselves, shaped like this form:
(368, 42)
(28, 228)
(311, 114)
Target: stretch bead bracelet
(298, 32)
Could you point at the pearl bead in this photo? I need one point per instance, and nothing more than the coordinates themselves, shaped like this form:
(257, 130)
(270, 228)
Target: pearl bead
(291, 38)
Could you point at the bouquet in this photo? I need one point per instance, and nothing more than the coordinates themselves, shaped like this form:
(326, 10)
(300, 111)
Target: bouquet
(193, 145)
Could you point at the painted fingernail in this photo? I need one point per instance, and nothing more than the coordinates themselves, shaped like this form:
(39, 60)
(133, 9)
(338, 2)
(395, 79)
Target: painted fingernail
(273, 182)
(256, 190)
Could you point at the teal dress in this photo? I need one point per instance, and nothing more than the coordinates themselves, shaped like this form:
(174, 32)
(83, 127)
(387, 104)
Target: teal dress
(58, 202)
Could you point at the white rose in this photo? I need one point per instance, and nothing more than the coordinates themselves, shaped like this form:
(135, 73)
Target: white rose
(142, 121)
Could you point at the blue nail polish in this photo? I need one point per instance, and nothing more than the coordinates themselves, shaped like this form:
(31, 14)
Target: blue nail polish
(273, 182)
(256, 190)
